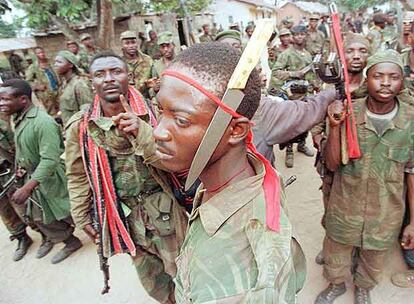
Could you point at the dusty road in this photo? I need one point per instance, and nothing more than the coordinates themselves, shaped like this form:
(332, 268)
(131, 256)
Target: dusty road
(78, 279)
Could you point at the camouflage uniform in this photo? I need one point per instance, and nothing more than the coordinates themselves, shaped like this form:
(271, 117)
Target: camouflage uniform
(408, 81)
(315, 42)
(83, 60)
(152, 49)
(366, 208)
(230, 256)
(11, 214)
(73, 94)
(157, 68)
(288, 61)
(206, 38)
(139, 71)
(35, 75)
(376, 38)
(156, 222)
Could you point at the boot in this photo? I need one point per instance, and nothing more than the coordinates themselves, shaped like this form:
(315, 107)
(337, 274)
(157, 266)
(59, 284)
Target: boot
(289, 156)
(302, 148)
(24, 242)
(329, 295)
(72, 245)
(319, 259)
(362, 296)
(44, 248)
(403, 279)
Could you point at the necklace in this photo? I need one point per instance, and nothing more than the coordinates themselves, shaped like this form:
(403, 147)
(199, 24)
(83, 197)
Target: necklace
(228, 181)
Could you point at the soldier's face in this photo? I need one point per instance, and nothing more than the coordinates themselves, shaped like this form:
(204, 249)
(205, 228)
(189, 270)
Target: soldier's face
(109, 78)
(185, 116)
(87, 42)
(356, 56)
(249, 32)
(152, 35)
(61, 65)
(73, 48)
(167, 50)
(272, 53)
(40, 54)
(206, 30)
(232, 42)
(9, 103)
(130, 46)
(385, 81)
(285, 39)
(407, 27)
(299, 38)
(313, 23)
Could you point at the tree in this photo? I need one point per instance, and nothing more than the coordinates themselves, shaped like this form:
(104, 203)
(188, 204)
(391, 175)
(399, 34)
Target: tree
(355, 5)
(7, 30)
(193, 6)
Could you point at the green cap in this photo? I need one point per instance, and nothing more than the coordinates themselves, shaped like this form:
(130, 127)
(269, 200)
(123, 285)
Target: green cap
(165, 37)
(128, 35)
(285, 31)
(314, 17)
(69, 56)
(391, 56)
(84, 36)
(229, 34)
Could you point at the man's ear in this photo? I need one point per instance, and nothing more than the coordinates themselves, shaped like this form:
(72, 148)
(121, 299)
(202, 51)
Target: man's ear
(239, 128)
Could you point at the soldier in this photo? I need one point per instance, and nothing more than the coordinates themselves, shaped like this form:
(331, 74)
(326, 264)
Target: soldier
(357, 51)
(249, 31)
(90, 48)
(324, 26)
(315, 40)
(139, 64)
(75, 90)
(15, 62)
(271, 52)
(151, 47)
(44, 81)
(231, 37)
(167, 49)
(229, 212)
(82, 57)
(285, 37)
(376, 33)
(206, 36)
(39, 146)
(124, 185)
(287, 23)
(365, 209)
(407, 28)
(294, 64)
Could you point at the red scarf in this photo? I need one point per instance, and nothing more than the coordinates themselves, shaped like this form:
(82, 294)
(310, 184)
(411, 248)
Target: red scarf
(100, 176)
(271, 182)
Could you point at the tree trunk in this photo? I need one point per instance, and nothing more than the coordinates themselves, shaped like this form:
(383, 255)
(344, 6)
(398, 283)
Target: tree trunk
(106, 24)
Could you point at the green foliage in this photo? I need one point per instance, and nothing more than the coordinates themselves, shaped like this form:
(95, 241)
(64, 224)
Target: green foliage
(7, 30)
(354, 5)
(192, 6)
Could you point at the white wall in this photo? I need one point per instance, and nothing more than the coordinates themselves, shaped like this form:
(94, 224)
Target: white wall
(223, 9)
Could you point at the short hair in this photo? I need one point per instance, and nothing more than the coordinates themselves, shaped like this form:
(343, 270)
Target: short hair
(38, 48)
(204, 26)
(106, 54)
(20, 87)
(249, 27)
(214, 63)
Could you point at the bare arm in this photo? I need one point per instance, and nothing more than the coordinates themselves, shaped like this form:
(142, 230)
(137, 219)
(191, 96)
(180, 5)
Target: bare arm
(408, 234)
(333, 144)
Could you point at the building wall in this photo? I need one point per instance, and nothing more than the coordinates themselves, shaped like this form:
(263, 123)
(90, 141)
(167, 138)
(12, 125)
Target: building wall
(292, 11)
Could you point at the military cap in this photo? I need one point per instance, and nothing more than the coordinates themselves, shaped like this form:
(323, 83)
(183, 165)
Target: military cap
(314, 17)
(128, 35)
(228, 34)
(284, 32)
(69, 56)
(165, 37)
(84, 36)
(389, 55)
(299, 29)
(408, 17)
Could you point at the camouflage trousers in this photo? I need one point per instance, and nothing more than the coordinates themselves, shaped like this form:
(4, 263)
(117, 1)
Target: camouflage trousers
(338, 263)
(12, 217)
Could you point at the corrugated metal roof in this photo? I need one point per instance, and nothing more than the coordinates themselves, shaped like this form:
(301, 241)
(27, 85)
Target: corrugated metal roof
(311, 7)
(9, 44)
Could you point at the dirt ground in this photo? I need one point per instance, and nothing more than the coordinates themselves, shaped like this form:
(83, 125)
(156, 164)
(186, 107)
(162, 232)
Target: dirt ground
(79, 280)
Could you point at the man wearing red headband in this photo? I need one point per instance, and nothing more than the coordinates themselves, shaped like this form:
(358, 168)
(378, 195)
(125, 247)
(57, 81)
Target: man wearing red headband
(238, 247)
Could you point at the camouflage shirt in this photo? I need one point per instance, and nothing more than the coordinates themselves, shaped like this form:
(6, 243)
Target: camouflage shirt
(315, 42)
(366, 205)
(157, 68)
(376, 38)
(139, 71)
(73, 94)
(288, 61)
(230, 256)
(151, 49)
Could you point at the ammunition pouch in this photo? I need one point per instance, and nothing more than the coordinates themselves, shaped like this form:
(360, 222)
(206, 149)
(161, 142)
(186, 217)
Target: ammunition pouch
(158, 206)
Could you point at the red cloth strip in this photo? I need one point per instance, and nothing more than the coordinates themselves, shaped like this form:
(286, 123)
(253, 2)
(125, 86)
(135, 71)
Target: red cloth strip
(271, 181)
(352, 138)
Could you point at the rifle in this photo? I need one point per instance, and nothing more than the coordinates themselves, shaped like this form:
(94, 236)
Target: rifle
(8, 184)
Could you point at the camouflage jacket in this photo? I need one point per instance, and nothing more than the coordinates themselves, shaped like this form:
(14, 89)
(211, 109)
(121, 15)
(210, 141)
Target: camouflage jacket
(46, 89)
(151, 49)
(288, 61)
(315, 42)
(73, 94)
(144, 194)
(376, 38)
(139, 71)
(366, 205)
(157, 68)
(230, 256)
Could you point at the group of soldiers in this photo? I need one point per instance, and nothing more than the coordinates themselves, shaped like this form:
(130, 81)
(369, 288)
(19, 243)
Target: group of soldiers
(97, 141)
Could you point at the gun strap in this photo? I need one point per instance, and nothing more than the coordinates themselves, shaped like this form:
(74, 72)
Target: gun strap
(351, 134)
